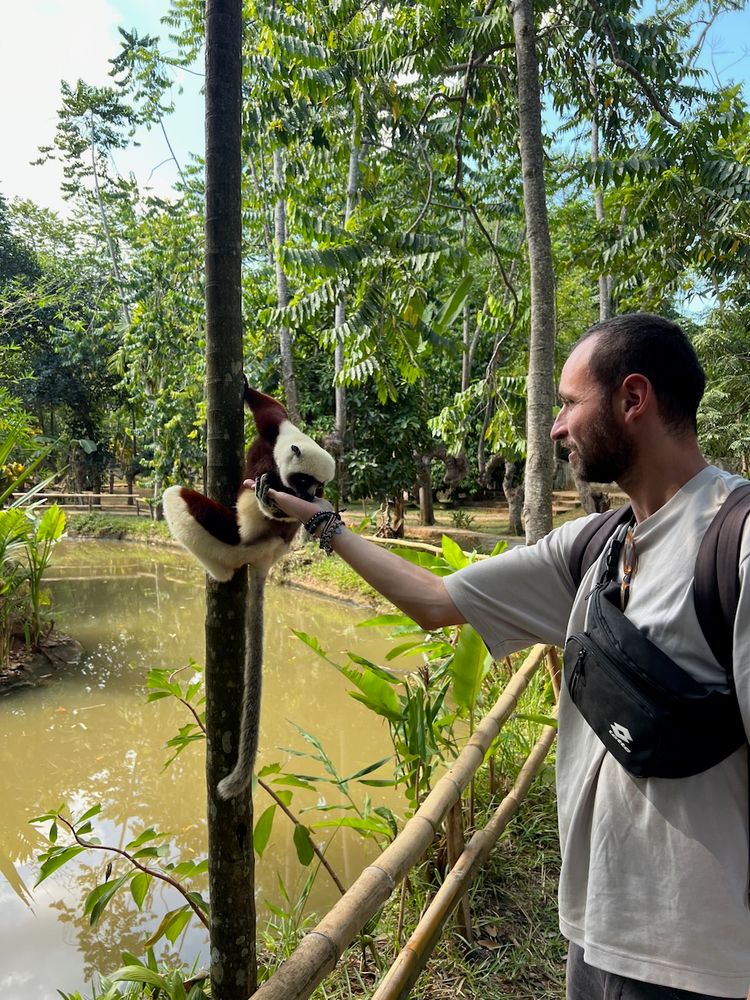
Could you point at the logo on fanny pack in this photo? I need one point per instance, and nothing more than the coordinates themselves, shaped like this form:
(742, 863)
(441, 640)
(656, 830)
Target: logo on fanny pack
(621, 734)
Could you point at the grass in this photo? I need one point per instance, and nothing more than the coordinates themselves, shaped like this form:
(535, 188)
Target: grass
(99, 525)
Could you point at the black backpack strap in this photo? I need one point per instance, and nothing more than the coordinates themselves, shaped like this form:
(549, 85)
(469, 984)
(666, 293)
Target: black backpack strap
(716, 582)
(590, 542)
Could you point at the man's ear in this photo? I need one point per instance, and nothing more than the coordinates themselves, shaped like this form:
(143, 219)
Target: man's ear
(636, 396)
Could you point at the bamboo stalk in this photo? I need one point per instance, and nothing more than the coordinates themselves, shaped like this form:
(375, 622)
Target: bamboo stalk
(553, 665)
(320, 950)
(404, 972)
(454, 835)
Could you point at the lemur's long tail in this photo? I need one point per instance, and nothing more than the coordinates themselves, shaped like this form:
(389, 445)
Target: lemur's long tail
(239, 779)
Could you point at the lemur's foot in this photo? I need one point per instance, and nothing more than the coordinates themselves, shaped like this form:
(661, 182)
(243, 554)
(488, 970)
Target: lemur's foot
(262, 486)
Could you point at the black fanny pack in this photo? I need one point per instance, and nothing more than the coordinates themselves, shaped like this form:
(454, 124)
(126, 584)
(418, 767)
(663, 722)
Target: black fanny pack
(651, 715)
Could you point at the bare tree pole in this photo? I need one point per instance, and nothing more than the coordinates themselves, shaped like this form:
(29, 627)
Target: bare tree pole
(541, 385)
(605, 280)
(282, 289)
(352, 186)
(230, 823)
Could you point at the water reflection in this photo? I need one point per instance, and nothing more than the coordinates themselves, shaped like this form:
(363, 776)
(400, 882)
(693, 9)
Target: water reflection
(89, 736)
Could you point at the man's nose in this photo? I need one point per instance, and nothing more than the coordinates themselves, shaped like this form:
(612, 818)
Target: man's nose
(558, 429)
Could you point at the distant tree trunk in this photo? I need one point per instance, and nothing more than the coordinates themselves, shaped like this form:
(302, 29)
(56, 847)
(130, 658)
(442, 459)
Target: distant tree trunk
(282, 290)
(541, 387)
(514, 491)
(592, 501)
(605, 280)
(352, 187)
(424, 487)
(107, 233)
(230, 823)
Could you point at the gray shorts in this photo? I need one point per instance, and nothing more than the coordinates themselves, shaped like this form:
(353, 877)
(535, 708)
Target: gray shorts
(584, 982)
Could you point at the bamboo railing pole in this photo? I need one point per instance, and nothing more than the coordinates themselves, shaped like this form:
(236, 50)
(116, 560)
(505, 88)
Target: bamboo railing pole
(320, 950)
(454, 837)
(553, 665)
(412, 959)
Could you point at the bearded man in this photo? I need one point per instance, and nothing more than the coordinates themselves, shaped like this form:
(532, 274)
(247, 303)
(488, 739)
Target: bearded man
(654, 883)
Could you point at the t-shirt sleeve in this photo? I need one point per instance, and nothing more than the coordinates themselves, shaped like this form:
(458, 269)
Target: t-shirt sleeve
(522, 596)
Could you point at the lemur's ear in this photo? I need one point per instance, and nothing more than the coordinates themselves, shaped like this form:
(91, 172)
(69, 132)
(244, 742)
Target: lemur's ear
(296, 451)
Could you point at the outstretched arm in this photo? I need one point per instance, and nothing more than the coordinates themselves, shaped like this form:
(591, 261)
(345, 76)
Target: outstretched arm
(415, 590)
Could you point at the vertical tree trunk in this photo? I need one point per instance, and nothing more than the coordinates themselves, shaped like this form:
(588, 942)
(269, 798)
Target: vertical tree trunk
(352, 186)
(282, 290)
(541, 388)
(513, 490)
(107, 234)
(424, 487)
(230, 823)
(605, 280)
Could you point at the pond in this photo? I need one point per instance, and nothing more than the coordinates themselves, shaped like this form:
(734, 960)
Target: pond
(87, 735)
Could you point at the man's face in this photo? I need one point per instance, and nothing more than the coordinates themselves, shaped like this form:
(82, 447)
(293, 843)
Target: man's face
(587, 424)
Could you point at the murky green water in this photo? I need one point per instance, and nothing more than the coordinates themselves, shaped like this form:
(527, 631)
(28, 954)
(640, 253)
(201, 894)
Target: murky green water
(89, 736)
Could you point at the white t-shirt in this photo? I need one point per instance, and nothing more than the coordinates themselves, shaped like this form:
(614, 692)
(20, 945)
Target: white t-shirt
(654, 881)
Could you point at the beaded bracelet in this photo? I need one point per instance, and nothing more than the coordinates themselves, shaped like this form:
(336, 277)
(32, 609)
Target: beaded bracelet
(312, 523)
(333, 526)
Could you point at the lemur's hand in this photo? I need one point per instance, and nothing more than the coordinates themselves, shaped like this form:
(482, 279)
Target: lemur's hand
(292, 505)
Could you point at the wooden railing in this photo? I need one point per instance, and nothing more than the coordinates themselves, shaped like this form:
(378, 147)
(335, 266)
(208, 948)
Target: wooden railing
(107, 502)
(320, 949)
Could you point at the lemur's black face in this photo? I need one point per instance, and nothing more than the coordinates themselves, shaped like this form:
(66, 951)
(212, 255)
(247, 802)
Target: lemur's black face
(305, 486)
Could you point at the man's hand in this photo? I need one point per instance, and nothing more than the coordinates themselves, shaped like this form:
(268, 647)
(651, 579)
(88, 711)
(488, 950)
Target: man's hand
(292, 505)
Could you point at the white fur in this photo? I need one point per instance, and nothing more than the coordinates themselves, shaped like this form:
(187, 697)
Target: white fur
(219, 559)
(312, 458)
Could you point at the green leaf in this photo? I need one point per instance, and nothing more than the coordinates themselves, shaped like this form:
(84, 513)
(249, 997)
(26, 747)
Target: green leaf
(178, 924)
(369, 769)
(468, 667)
(303, 844)
(93, 811)
(51, 864)
(167, 920)
(454, 305)
(139, 974)
(99, 897)
(544, 720)
(142, 838)
(296, 781)
(262, 831)
(139, 887)
(453, 553)
(51, 524)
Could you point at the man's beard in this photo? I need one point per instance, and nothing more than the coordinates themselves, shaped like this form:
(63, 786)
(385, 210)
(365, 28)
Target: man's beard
(604, 455)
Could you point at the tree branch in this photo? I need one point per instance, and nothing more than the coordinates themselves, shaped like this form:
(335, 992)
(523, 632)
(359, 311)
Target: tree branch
(153, 872)
(628, 68)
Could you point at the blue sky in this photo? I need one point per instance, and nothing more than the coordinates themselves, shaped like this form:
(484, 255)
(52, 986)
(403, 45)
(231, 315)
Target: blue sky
(44, 41)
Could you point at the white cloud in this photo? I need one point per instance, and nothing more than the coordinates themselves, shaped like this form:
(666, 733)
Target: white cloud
(45, 41)
(42, 43)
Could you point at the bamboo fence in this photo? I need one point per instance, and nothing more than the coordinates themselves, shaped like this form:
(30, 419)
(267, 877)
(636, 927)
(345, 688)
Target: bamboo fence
(320, 950)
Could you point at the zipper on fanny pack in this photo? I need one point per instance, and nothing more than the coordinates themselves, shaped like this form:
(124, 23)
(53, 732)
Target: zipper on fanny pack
(578, 674)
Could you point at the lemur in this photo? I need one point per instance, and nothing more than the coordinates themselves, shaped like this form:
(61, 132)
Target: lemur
(255, 532)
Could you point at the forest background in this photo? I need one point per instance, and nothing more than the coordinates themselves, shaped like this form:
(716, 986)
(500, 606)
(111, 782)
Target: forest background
(386, 255)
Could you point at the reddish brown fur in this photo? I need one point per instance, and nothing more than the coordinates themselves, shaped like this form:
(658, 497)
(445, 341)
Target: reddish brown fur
(212, 516)
(259, 459)
(268, 413)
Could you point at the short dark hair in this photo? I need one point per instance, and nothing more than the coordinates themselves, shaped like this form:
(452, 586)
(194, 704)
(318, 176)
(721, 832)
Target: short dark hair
(645, 344)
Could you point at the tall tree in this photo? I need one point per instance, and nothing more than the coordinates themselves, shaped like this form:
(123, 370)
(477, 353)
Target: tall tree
(230, 826)
(541, 390)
